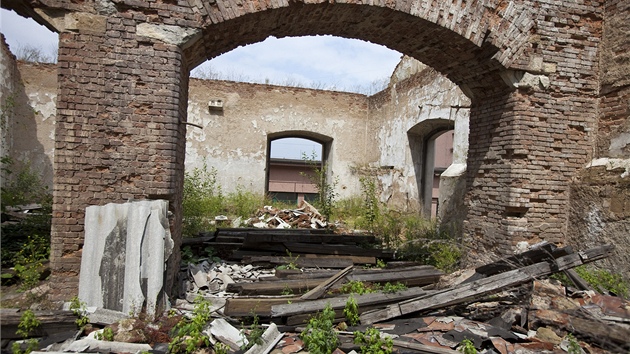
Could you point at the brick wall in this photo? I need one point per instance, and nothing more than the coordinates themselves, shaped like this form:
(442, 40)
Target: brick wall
(118, 135)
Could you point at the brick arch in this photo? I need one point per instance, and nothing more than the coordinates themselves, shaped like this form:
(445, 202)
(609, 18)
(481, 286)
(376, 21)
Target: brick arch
(467, 43)
(123, 76)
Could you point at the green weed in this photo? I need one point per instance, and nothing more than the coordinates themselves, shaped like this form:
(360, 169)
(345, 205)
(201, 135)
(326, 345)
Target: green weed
(202, 200)
(372, 343)
(106, 335)
(393, 288)
(603, 280)
(356, 287)
(467, 347)
(27, 326)
(188, 335)
(319, 336)
(254, 334)
(324, 184)
(79, 309)
(351, 311)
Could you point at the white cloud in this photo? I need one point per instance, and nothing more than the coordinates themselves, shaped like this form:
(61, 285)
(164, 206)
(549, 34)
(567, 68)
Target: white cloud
(316, 61)
(20, 31)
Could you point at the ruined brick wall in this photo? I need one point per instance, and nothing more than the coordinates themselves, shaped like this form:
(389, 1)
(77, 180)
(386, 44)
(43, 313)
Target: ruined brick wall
(9, 84)
(529, 143)
(118, 132)
(613, 130)
(600, 193)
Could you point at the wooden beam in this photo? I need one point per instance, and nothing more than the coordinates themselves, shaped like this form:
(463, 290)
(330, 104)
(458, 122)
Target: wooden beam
(318, 291)
(481, 288)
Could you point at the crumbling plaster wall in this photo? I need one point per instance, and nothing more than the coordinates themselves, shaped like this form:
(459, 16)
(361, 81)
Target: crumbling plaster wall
(28, 114)
(417, 95)
(9, 81)
(234, 140)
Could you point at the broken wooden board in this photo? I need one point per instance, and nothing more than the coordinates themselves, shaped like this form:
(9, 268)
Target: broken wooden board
(244, 307)
(420, 276)
(301, 262)
(304, 238)
(325, 285)
(601, 332)
(51, 322)
(544, 253)
(483, 287)
(274, 287)
(339, 302)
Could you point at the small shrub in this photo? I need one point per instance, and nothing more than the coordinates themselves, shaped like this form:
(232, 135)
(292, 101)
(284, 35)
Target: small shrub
(356, 287)
(372, 343)
(28, 324)
(325, 187)
(202, 200)
(188, 333)
(394, 288)
(319, 336)
(107, 334)
(78, 308)
(467, 347)
(351, 311)
(221, 348)
(574, 346)
(254, 334)
(602, 280)
(243, 203)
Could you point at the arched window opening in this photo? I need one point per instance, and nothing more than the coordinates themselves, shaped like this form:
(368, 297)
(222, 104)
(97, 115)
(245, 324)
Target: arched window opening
(290, 169)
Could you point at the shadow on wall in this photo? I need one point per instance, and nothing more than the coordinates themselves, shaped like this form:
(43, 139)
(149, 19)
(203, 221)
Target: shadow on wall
(20, 127)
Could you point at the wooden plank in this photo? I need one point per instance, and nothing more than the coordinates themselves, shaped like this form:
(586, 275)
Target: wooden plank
(355, 259)
(324, 286)
(274, 288)
(245, 307)
(483, 287)
(423, 348)
(429, 275)
(287, 236)
(51, 322)
(339, 302)
(332, 249)
(302, 262)
(545, 252)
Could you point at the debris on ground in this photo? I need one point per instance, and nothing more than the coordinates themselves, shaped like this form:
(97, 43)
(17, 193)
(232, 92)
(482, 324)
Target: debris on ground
(508, 306)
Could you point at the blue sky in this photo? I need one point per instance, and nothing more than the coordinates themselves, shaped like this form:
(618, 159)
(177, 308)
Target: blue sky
(323, 62)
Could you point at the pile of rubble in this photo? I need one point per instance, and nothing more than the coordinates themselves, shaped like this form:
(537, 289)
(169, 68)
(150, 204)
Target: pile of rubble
(305, 216)
(508, 306)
